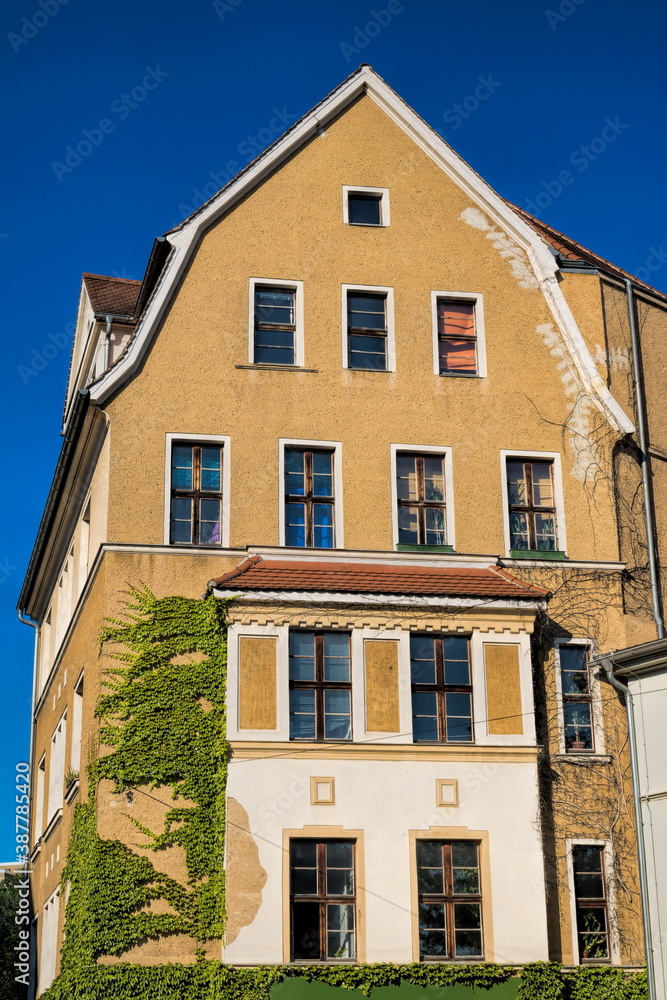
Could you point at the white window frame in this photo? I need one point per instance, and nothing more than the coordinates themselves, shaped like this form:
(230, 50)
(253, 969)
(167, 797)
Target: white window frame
(77, 724)
(40, 785)
(612, 930)
(48, 950)
(299, 340)
(281, 635)
(478, 300)
(388, 292)
(56, 786)
(226, 443)
(416, 449)
(349, 189)
(596, 702)
(536, 456)
(337, 448)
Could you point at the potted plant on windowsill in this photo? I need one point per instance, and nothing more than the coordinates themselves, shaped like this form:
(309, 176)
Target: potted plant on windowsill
(580, 722)
(595, 946)
(71, 779)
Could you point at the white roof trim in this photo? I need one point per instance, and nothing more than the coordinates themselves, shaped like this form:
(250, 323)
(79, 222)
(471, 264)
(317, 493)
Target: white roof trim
(185, 240)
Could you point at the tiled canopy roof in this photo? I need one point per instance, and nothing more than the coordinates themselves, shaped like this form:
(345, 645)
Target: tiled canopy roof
(256, 573)
(572, 251)
(112, 295)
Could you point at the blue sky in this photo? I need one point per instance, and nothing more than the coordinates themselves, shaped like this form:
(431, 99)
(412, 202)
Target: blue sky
(565, 86)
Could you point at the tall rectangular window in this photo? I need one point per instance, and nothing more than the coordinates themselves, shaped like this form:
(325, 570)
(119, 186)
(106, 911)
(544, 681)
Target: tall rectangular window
(441, 689)
(322, 898)
(420, 489)
(591, 903)
(577, 700)
(457, 337)
(196, 494)
(57, 769)
(309, 498)
(39, 801)
(77, 720)
(367, 331)
(275, 326)
(532, 505)
(450, 899)
(320, 686)
(48, 951)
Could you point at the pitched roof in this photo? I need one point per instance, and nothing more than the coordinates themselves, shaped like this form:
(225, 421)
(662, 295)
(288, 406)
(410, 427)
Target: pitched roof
(112, 295)
(256, 573)
(570, 250)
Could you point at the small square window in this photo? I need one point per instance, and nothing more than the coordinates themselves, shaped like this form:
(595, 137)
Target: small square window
(364, 210)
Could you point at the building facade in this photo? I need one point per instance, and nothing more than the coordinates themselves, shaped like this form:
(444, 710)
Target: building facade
(389, 419)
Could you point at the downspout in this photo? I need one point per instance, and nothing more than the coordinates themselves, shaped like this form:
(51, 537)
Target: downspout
(608, 664)
(643, 448)
(107, 340)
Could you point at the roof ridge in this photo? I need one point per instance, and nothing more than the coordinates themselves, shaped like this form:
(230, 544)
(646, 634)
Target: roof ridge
(110, 277)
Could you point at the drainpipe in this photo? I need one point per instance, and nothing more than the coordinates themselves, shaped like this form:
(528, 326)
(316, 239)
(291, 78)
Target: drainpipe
(643, 448)
(608, 667)
(107, 340)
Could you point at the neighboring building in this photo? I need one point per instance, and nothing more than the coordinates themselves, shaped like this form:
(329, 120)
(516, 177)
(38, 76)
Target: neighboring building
(390, 418)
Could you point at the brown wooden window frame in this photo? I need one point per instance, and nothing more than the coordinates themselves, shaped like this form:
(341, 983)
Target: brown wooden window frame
(309, 498)
(323, 900)
(441, 690)
(196, 494)
(319, 685)
(422, 504)
(577, 698)
(531, 509)
(582, 903)
(374, 333)
(449, 899)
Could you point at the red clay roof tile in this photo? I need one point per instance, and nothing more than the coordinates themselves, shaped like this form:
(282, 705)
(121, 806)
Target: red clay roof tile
(112, 295)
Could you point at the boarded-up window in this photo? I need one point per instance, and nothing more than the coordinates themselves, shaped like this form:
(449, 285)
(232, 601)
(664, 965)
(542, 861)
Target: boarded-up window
(503, 689)
(382, 705)
(257, 682)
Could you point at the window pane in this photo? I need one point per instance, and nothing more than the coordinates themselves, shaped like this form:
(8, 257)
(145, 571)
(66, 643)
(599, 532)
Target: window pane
(303, 853)
(592, 927)
(587, 858)
(467, 916)
(435, 526)
(340, 879)
(578, 726)
(429, 853)
(545, 532)
(589, 885)
(430, 870)
(209, 522)
(295, 475)
(336, 657)
(303, 858)
(181, 467)
(302, 715)
(295, 524)
(274, 355)
(337, 715)
(424, 716)
(323, 535)
(366, 312)
(406, 477)
(573, 670)
(408, 525)
(543, 495)
(340, 930)
(458, 356)
(422, 647)
(367, 352)
(434, 479)
(468, 943)
(456, 318)
(519, 538)
(459, 718)
(464, 854)
(363, 210)
(516, 484)
(340, 854)
(210, 469)
(322, 474)
(181, 520)
(302, 656)
(432, 944)
(274, 305)
(305, 930)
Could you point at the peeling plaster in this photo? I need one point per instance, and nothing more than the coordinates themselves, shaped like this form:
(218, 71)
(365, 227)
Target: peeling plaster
(516, 258)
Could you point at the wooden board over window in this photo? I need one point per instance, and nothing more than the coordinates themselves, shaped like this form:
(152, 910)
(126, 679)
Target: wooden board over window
(257, 682)
(503, 689)
(382, 706)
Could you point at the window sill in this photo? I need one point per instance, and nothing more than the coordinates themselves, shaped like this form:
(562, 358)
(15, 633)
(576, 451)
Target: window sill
(278, 368)
(72, 791)
(460, 375)
(404, 547)
(36, 851)
(370, 371)
(583, 757)
(53, 823)
(536, 554)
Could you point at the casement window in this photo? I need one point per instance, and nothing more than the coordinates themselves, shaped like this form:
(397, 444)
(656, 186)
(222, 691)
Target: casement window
(575, 685)
(322, 898)
(48, 951)
(457, 337)
(441, 689)
(196, 494)
(420, 493)
(275, 325)
(450, 899)
(364, 206)
(77, 720)
(591, 903)
(309, 498)
(57, 769)
(320, 687)
(39, 800)
(367, 330)
(531, 500)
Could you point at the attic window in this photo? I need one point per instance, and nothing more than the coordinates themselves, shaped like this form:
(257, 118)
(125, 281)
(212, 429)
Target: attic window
(366, 206)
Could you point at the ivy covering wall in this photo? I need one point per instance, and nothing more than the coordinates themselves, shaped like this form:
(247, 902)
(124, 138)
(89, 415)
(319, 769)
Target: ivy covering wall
(162, 732)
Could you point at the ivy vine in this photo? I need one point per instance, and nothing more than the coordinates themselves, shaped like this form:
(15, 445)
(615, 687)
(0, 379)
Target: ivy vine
(162, 721)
